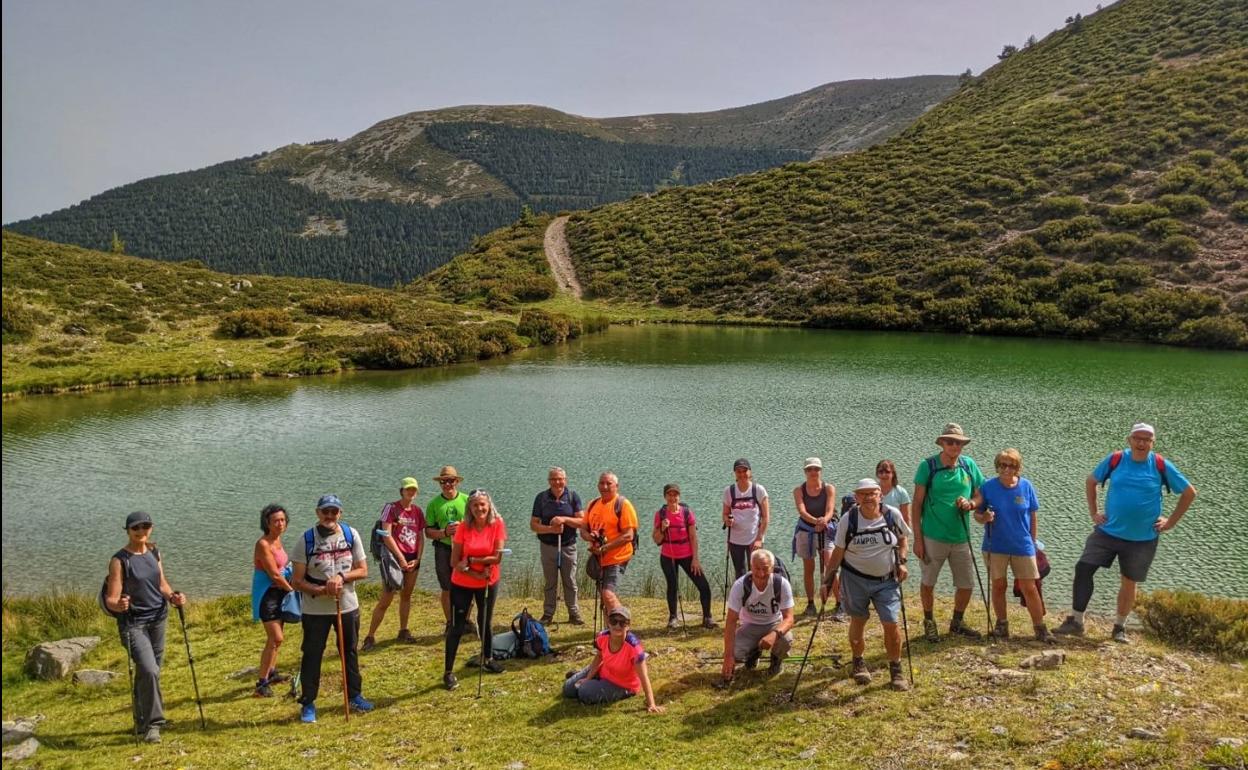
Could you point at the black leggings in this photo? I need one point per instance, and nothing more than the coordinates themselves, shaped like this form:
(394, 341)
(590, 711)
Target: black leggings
(671, 576)
(461, 601)
(1083, 585)
(740, 558)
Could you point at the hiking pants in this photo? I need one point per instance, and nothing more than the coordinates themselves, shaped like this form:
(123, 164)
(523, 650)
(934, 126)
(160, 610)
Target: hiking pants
(748, 634)
(461, 602)
(672, 577)
(567, 573)
(740, 558)
(316, 630)
(593, 691)
(146, 646)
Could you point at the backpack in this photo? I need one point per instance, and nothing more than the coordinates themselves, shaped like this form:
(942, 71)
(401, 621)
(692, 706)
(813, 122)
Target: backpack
(934, 467)
(777, 574)
(124, 556)
(532, 641)
(732, 490)
(658, 519)
(309, 540)
(377, 541)
(1115, 460)
(619, 521)
(852, 524)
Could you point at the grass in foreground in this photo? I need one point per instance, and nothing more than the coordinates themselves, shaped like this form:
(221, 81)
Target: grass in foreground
(1073, 717)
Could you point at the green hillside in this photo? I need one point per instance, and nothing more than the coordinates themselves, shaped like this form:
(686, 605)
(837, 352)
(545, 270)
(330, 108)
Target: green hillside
(75, 318)
(1090, 185)
(405, 195)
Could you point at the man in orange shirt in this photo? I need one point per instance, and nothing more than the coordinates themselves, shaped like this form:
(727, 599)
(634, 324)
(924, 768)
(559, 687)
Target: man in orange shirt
(610, 526)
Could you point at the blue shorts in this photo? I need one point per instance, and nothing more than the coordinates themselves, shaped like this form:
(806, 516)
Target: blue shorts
(859, 593)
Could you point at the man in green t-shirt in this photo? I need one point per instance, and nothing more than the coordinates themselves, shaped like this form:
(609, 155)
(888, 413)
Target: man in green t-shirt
(442, 516)
(946, 487)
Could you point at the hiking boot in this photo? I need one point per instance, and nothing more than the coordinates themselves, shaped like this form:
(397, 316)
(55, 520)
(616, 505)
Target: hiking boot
(307, 714)
(838, 614)
(492, 667)
(895, 680)
(930, 632)
(673, 624)
(360, 705)
(1001, 630)
(963, 629)
(152, 735)
(1070, 627)
(449, 681)
(263, 690)
(1119, 635)
(546, 620)
(368, 644)
(810, 611)
(277, 677)
(405, 637)
(861, 674)
(575, 619)
(776, 667)
(1043, 634)
(709, 622)
(751, 660)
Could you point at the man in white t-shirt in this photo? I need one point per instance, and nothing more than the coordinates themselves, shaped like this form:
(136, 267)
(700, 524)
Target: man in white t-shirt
(760, 617)
(746, 514)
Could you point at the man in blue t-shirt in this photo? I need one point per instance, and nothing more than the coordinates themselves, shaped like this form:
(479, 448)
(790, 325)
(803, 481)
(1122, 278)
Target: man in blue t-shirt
(557, 515)
(1130, 525)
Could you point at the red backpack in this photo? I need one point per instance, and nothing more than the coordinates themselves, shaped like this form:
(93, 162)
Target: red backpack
(1116, 459)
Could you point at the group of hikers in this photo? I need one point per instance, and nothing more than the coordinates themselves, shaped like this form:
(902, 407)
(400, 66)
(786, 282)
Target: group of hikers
(861, 550)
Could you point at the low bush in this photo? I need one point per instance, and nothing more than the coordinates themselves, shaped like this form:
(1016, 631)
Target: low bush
(1212, 332)
(545, 327)
(1180, 248)
(19, 321)
(1203, 623)
(351, 307)
(255, 324)
(120, 336)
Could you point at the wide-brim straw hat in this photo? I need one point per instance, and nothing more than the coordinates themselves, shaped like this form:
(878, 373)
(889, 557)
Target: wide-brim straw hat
(955, 432)
(448, 472)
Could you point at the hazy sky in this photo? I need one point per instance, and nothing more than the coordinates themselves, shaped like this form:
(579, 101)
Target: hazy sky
(97, 94)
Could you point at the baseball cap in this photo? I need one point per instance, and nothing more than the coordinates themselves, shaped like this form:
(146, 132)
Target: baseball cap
(741, 463)
(866, 484)
(409, 483)
(138, 517)
(329, 501)
(813, 462)
(1143, 427)
(622, 611)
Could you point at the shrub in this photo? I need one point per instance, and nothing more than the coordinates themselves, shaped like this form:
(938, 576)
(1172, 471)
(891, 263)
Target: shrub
(535, 288)
(392, 351)
(1134, 214)
(673, 295)
(1107, 247)
(1074, 229)
(498, 298)
(351, 307)
(1060, 207)
(1212, 332)
(1184, 205)
(255, 324)
(1204, 623)
(19, 322)
(120, 336)
(544, 327)
(1164, 227)
(1239, 211)
(1180, 248)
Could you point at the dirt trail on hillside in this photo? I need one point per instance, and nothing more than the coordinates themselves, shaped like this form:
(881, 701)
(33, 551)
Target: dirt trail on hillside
(560, 258)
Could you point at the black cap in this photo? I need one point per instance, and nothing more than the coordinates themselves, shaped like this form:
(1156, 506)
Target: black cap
(671, 488)
(741, 463)
(138, 517)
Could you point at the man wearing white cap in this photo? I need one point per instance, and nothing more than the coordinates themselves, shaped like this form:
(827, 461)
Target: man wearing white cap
(1129, 527)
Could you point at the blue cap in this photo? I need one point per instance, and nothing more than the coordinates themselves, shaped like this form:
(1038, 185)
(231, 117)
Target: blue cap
(329, 501)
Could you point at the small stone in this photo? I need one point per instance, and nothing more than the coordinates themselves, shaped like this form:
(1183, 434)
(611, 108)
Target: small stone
(90, 677)
(54, 660)
(24, 750)
(808, 753)
(18, 731)
(309, 753)
(1147, 687)
(1141, 734)
(1049, 659)
(517, 765)
(958, 756)
(1008, 675)
(999, 730)
(1234, 743)
(1237, 666)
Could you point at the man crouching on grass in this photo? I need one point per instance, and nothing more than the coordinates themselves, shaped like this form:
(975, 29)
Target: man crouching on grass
(760, 602)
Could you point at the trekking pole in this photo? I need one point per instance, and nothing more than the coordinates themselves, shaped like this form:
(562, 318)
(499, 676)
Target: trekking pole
(134, 708)
(342, 658)
(966, 525)
(680, 601)
(823, 602)
(905, 627)
(558, 577)
(190, 659)
(481, 616)
(727, 548)
(819, 555)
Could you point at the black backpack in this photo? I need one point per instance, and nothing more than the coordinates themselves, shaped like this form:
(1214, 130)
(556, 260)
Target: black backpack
(777, 574)
(619, 519)
(851, 523)
(124, 556)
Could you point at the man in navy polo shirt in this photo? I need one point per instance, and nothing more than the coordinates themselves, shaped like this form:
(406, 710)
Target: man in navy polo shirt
(557, 515)
(1129, 527)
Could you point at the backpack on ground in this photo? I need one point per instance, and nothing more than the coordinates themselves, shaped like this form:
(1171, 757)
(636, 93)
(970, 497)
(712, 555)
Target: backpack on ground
(532, 641)
(124, 556)
(504, 646)
(1159, 462)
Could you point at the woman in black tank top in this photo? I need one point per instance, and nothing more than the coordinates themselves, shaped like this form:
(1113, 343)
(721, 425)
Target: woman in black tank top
(816, 508)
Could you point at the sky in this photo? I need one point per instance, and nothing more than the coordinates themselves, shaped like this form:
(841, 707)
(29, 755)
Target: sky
(98, 94)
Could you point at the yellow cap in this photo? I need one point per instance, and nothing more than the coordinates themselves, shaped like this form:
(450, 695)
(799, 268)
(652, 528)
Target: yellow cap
(409, 483)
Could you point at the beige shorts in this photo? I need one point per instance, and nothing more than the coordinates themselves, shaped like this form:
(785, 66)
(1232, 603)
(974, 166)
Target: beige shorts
(961, 563)
(1023, 567)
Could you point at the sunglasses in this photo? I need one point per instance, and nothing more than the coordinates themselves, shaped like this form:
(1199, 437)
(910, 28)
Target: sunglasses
(617, 621)
(328, 511)
(142, 526)
(1007, 465)
(448, 482)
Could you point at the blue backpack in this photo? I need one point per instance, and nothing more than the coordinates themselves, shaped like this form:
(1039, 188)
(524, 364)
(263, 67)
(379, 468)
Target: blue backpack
(532, 641)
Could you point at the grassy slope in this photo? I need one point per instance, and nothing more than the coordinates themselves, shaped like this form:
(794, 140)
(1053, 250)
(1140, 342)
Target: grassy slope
(1068, 191)
(1073, 717)
(172, 312)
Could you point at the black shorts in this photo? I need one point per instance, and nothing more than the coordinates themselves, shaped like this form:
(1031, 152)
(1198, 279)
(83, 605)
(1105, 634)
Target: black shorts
(271, 604)
(442, 565)
(1134, 556)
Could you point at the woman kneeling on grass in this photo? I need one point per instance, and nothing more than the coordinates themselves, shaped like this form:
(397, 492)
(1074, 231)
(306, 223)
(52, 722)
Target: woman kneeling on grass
(270, 585)
(476, 552)
(1008, 513)
(618, 669)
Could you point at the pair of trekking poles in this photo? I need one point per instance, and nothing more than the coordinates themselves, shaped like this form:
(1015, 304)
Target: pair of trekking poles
(190, 659)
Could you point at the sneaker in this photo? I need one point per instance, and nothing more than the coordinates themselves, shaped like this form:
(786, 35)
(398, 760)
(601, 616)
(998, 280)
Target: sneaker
(895, 680)
(776, 667)
(277, 677)
(1070, 627)
(673, 624)
(546, 620)
(449, 681)
(862, 675)
(930, 632)
(492, 667)
(307, 714)
(838, 614)
(359, 704)
(575, 619)
(810, 610)
(963, 629)
(152, 735)
(1001, 630)
(1043, 634)
(368, 644)
(1120, 635)
(751, 660)
(709, 622)
(263, 690)
(405, 637)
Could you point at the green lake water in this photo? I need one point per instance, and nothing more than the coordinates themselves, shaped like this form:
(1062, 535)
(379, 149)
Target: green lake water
(654, 404)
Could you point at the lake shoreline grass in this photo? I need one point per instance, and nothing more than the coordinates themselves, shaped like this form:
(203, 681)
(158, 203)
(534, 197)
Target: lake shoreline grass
(1077, 716)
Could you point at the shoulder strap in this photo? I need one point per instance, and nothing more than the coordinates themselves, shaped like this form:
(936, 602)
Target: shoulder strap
(688, 515)
(932, 467)
(1115, 459)
(309, 542)
(852, 528)
(754, 494)
(619, 508)
(746, 588)
(1161, 471)
(346, 533)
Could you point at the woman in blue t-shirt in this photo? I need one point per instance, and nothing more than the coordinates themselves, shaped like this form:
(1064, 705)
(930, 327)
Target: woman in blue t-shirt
(1008, 513)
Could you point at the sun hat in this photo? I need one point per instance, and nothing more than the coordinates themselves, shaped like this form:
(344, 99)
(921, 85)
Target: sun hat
(813, 462)
(408, 483)
(955, 432)
(741, 463)
(866, 484)
(448, 472)
(1143, 427)
(329, 501)
(622, 611)
(138, 517)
